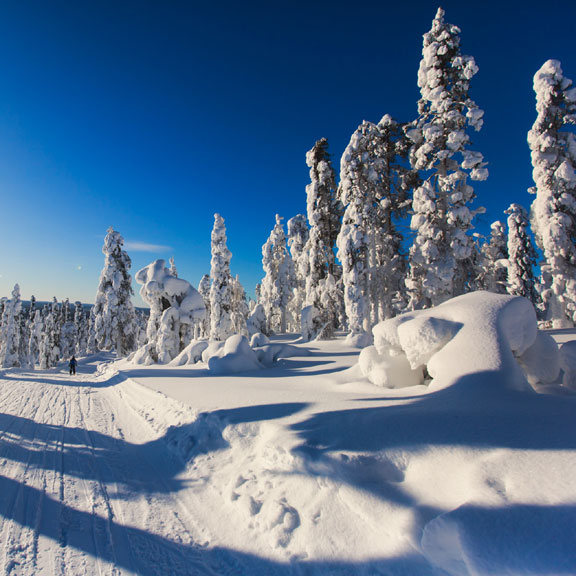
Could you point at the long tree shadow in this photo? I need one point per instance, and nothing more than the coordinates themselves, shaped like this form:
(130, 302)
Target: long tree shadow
(472, 412)
(92, 455)
(144, 553)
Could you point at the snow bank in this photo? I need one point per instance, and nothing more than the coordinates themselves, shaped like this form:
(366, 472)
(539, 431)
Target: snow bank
(191, 354)
(475, 333)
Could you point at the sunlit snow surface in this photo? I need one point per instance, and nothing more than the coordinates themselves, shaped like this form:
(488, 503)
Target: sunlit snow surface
(302, 466)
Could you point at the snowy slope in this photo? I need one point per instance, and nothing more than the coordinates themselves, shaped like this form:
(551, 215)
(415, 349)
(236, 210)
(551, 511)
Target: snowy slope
(302, 468)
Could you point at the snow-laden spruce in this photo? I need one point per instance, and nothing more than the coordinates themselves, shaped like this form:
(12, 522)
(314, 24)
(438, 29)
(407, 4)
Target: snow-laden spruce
(553, 147)
(10, 331)
(278, 283)
(369, 244)
(176, 309)
(493, 258)
(442, 255)
(221, 326)
(112, 317)
(298, 237)
(324, 211)
(522, 257)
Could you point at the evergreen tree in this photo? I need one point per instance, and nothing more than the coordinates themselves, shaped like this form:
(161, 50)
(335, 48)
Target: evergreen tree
(492, 276)
(81, 329)
(68, 332)
(522, 257)
(324, 210)
(35, 336)
(553, 146)
(442, 255)
(10, 331)
(279, 280)
(49, 350)
(112, 316)
(221, 326)
(240, 308)
(373, 187)
(204, 290)
(298, 235)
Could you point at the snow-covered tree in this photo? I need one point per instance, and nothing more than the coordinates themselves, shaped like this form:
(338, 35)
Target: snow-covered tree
(494, 254)
(442, 255)
(298, 234)
(553, 215)
(68, 332)
(49, 350)
(10, 331)
(112, 316)
(369, 245)
(204, 290)
(324, 211)
(81, 326)
(239, 307)
(522, 257)
(35, 336)
(176, 308)
(221, 326)
(278, 283)
(173, 269)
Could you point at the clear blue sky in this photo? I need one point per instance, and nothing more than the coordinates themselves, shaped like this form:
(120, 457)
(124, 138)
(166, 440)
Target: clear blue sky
(152, 116)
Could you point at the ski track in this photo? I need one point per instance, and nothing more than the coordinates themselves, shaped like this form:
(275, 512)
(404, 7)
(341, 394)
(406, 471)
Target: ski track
(87, 487)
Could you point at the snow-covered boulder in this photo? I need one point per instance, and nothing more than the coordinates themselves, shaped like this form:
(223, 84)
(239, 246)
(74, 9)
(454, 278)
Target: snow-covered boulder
(477, 333)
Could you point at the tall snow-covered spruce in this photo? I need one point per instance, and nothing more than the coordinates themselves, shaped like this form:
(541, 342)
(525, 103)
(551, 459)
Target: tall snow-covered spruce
(221, 296)
(324, 211)
(278, 284)
(10, 331)
(372, 186)
(112, 317)
(442, 255)
(553, 215)
(522, 257)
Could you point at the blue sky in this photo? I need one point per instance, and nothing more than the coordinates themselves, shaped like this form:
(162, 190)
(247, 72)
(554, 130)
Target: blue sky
(152, 116)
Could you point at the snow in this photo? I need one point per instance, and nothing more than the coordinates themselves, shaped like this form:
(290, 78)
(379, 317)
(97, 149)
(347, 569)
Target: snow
(302, 466)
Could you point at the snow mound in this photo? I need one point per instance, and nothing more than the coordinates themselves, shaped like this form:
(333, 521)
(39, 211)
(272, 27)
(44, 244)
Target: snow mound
(259, 339)
(568, 363)
(475, 333)
(235, 356)
(191, 354)
(270, 353)
(521, 539)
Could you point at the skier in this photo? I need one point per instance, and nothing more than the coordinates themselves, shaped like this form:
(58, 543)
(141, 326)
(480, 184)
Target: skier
(72, 365)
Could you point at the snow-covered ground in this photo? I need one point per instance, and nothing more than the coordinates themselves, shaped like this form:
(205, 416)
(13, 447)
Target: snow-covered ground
(301, 468)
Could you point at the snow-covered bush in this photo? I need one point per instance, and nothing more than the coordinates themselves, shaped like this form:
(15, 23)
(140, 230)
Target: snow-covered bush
(480, 336)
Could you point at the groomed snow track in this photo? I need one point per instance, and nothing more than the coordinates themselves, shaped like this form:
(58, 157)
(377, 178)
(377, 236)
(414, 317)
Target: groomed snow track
(87, 486)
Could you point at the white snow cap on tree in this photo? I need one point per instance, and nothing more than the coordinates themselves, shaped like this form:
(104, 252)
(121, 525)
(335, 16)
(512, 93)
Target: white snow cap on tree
(553, 215)
(112, 316)
(221, 325)
(175, 309)
(442, 255)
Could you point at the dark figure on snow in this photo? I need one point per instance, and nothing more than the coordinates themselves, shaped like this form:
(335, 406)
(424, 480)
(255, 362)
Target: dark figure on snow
(72, 365)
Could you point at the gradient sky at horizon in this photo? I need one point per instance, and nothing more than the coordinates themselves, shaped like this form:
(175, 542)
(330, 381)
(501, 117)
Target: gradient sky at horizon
(152, 116)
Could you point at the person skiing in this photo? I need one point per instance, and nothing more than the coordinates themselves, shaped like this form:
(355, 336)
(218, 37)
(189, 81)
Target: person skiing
(72, 365)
